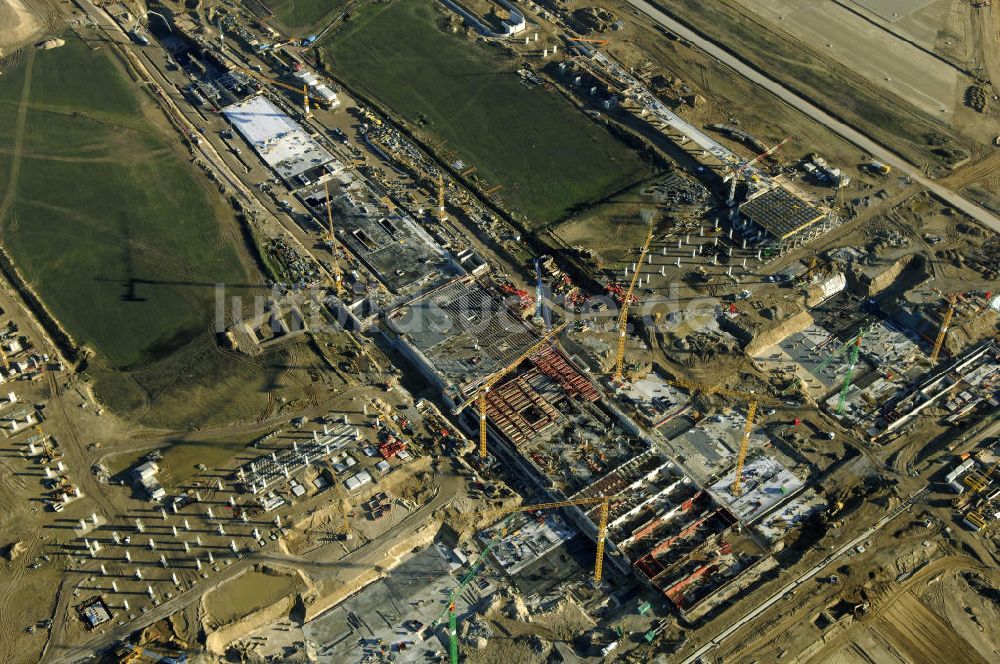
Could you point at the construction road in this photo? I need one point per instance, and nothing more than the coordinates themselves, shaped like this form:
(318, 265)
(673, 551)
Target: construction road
(855, 136)
(793, 585)
(363, 557)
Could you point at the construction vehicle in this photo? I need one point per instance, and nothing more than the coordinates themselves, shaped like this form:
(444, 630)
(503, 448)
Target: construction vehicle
(945, 322)
(338, 277)
(623, 314)
(480, 396)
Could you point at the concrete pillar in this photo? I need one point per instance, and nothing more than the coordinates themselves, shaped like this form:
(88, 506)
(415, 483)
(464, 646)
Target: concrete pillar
(114, 586)
(173, 530)
(60, 466)
(694, 253)
(173, 577)
(679, 242)
(208, 513)
(138, 574)
(758, 254)
(730, 233)
(232, 545)
(232, 501)
(163, 561)
(32, 450)
(83, 524)
(256, 534)
(222, 531)
(163, 514)
(729, 271)
(197, 496)
(649, 259)
(295, 445)
(277, 520)
(125, 604)
(678, 262)
(663, 271)
(744, 263)
(210, 558)
(104, 570)
(243, 517)
(187, 548)
(197, 564)
(152, 544)
(197, 540)
(97, 547)
(114, 536)
(187, 526)
(77, 492)
(149, 591)
(128, 556)
(139, 526)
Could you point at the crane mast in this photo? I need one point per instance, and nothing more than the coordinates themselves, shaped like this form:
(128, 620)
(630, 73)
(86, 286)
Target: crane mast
(480, 397)
(623, 314)
(945, 322)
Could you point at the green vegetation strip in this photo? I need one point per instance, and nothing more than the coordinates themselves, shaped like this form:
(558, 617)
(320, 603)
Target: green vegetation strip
(548, 156)
(122, 240)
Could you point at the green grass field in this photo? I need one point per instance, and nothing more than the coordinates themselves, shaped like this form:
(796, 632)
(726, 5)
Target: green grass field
(302, 14)
(121, 238)
(547, 155)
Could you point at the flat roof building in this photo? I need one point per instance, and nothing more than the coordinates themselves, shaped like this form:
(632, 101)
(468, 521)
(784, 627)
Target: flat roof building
(280, 141)
(780, 213)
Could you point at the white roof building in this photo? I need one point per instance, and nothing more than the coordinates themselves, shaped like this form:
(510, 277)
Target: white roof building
(278, 139)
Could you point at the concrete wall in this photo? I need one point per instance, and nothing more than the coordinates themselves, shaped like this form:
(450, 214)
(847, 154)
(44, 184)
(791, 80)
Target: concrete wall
(776, 333)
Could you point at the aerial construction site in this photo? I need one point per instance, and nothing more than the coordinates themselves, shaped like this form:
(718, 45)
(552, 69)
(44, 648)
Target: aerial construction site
(500, 331)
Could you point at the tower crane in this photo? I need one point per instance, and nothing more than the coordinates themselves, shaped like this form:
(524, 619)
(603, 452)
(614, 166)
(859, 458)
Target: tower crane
(304, 90)
(338, 277)
(440, 197)
(735, 173)
(753, 400)
(603, 501)
(480, 396)
(623, 314)
(945, 322)
(855, 353)
(602, 526)
(466, 580)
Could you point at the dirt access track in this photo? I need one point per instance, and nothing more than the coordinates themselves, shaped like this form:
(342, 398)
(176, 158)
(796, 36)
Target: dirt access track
(22, 23)
(853, 135)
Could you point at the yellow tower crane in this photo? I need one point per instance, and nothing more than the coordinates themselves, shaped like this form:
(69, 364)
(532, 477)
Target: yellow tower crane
(945, 322)
(602, 526)
(753, 400)
(623, 314)
(480, 396)
(338, 277)
(440, 192)
(304, 90)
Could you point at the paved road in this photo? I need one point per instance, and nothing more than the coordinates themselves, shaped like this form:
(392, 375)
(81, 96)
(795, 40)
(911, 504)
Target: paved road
(855, 136)
(803, 578)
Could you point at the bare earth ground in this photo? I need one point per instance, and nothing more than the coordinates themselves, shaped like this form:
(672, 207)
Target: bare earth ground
(22, 23)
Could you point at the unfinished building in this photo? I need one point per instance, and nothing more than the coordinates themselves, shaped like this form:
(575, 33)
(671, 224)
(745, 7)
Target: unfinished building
(401, 255)
(780, 213)
(457, 335)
